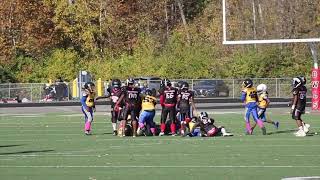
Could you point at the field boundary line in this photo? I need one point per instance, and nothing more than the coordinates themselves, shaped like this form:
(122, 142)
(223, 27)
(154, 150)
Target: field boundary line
(128, 166)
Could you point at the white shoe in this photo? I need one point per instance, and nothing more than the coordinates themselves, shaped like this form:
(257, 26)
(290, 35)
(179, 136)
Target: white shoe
(139, 131)
(300, 133)
(161, 133)
(227, 134)
(174, 134)
(306, 128)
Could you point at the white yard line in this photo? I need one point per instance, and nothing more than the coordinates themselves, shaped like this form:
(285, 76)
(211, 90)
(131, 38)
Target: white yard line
(142, 155)
(128, 166)
(165, 139)
(21, 114)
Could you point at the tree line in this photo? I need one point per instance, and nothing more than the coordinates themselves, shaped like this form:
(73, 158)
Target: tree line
(46, 39)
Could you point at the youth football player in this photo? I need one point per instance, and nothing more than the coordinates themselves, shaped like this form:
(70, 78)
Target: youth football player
(204, 126)
(299, 101)
(263, 103)
(131, 97)
(249, 98)
(147, 114)
(88, 105)
(114, 92)
(168, 101)
(185, 102)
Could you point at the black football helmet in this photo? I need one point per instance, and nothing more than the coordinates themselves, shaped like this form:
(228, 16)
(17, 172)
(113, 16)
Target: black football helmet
(116, 83)
(89, 86)
(247, 83)
(148, 92)
(203, 115)
(130, 81)
(297, 82)
(304, 80)
(166, 82)
(184, 85)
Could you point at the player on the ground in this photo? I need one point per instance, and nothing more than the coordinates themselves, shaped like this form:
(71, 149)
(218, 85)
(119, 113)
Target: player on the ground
(147, 114)
(185, 102)
(249, 98)
(299, 101)
(168, 101)
(114, 92)
(263, 103)
(88, 105)
(131, 97)
(204, 126)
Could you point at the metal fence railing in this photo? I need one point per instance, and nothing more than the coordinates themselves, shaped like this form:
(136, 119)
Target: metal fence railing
(210, 88)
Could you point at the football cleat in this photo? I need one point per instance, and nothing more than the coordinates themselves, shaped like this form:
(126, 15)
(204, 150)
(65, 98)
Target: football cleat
(264, 131)
(87, 132)
(276, 125)
(300, 133)
(115, 133)
(306, 128)
(161, 133)
(227, 134)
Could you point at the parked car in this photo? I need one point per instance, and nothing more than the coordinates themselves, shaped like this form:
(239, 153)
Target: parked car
(210, 88)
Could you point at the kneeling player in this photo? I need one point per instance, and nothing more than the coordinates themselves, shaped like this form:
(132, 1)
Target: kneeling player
(263, 103)
(147, 114)
(204, 126)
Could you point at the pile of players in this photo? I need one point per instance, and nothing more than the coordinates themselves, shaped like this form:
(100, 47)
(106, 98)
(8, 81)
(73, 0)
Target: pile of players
(135, 110)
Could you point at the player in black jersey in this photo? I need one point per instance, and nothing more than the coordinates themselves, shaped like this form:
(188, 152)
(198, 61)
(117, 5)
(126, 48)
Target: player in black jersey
(203, 126)
(114, 92)
(185, 102)
(168, 101)
(132, 106)
(299, 102)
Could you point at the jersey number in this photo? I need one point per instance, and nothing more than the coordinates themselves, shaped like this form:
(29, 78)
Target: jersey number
(252, 94)
(185, 96)
(169, 95)
(114, 98)
(132, 96)
(302, 96)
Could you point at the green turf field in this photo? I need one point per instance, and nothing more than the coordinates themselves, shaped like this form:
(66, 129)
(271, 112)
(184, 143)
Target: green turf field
(51, 146)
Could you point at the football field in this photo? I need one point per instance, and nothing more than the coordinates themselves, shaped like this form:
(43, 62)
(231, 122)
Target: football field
(51, 145)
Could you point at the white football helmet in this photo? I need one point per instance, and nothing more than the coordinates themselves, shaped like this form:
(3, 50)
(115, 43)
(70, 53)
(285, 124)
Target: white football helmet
(262, 88)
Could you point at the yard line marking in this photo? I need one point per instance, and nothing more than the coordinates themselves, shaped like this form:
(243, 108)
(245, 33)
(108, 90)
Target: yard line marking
(124, 139)
(97, 166)
(21, 114)
(138, 155)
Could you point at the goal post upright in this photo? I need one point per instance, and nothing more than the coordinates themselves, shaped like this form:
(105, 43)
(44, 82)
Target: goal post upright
(315, 74)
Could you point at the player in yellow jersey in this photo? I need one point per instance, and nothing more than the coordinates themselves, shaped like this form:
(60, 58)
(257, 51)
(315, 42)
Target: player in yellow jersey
(249, 98)
(147, 114)
(88, 105)
(263, 103)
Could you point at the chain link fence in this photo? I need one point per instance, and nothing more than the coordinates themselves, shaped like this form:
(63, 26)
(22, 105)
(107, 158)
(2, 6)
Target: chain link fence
(206, 88)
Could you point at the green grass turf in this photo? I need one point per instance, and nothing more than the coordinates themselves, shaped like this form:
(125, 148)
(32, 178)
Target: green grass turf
(52, 146)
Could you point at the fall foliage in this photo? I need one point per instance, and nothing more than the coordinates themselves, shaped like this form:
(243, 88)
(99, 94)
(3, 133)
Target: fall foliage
(42, 39)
